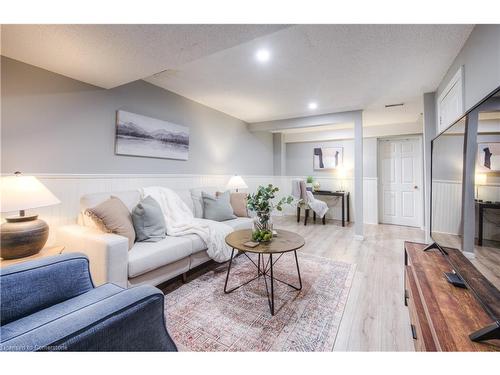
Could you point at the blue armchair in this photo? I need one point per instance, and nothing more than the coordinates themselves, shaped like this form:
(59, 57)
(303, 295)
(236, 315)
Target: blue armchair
(51, 304)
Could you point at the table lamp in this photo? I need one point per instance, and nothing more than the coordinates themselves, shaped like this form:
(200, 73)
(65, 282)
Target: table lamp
(341, 174)
(236, 182)
(480, 179)
(23, 235)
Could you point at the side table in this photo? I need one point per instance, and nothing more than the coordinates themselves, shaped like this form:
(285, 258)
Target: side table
(45, 252)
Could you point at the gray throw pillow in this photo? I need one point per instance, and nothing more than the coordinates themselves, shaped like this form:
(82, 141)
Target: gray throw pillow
(149, 223)
(217, 208)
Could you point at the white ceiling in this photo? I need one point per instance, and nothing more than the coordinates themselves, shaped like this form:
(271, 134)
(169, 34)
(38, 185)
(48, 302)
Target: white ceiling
(111, 55)
(341, 67)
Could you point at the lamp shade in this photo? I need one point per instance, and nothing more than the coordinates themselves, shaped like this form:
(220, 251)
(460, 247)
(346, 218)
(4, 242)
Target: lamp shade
(341, 171)
(480, 179)
(24, 192)
(236, 182)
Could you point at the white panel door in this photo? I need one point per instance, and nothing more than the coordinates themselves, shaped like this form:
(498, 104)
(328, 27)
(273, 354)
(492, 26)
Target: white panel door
(400, 168)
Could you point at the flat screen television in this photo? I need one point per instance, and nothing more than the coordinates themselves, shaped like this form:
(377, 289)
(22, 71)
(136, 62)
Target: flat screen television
(447, 188)
(446, 220)
(472, 142)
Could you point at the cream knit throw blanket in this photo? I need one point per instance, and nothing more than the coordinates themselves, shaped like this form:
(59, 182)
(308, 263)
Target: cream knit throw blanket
(180, 221)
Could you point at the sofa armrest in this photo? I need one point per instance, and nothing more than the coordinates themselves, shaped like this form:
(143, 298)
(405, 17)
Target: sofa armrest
(35, 285)
(107, 252)
(131, 320)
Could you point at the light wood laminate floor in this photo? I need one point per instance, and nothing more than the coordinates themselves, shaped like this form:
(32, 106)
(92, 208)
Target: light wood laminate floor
(375, 318)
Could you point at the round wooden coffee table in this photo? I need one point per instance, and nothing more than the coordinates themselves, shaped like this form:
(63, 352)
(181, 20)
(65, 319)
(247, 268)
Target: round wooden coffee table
(284, 242)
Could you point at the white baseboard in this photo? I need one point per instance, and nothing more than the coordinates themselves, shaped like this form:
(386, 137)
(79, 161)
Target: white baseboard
(469, 255)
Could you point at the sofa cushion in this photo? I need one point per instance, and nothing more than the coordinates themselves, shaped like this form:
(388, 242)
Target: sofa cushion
(147, 256)
(114, 217)
(198, 200)
(130, 198)
(240, 223)
(149, 223)
(197, 242)
(217, 208)
(42, 317)
(238, 202)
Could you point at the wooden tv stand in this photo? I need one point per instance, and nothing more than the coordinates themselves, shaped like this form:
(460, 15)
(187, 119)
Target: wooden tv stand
(442, 315)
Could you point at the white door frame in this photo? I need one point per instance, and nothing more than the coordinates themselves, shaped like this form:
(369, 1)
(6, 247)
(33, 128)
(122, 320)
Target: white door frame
(420, 207)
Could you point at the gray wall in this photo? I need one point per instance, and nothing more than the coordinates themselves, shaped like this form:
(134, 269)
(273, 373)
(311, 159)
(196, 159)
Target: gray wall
(278, 154)
(429, 128)
(449, 155)
(54, 124)
(448, 158)
(480, 56)
(299, 157)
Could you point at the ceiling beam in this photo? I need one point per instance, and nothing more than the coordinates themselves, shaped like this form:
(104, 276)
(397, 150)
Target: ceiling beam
(306, 122)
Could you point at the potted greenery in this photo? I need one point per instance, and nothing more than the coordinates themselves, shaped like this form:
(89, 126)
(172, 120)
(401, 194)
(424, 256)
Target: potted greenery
(309, 182)
(263, 205)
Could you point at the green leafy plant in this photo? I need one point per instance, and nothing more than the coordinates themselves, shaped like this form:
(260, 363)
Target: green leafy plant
(263, 202)
(309, 179)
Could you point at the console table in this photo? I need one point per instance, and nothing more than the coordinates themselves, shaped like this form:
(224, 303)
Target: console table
(482, 206)
(443, 316)
(345, 201)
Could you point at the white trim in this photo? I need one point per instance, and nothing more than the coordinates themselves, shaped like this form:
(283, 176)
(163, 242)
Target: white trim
(456, 182)
(469, 255)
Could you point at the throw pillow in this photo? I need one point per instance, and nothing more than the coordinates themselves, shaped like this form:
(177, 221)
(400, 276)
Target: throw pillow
(198, 199)
(149, 223)
(238, 202)
(217, 208)
(114, 217)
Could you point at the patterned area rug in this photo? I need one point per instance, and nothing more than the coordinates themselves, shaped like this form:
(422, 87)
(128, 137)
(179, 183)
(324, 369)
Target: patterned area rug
(200, 317)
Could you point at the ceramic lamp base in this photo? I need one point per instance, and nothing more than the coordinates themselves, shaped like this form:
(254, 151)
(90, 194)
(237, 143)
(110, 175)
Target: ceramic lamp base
(22, 236)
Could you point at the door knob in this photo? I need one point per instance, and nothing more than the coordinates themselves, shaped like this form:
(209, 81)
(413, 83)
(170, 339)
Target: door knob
(415, 187)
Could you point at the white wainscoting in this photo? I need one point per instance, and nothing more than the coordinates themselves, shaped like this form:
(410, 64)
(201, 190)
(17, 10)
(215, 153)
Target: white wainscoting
(70, 187)
(447, 207)
(370, 196)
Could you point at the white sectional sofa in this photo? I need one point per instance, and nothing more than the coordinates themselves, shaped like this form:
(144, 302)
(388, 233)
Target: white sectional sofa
(146, 262)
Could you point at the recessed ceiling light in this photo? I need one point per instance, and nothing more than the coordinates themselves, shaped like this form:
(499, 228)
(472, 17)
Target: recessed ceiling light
(263, 55)
(312, 105)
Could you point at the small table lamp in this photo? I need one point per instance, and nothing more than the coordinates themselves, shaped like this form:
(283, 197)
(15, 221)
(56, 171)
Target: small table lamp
(23, 235)
(341, 174)
(236, 182)
(479, 179)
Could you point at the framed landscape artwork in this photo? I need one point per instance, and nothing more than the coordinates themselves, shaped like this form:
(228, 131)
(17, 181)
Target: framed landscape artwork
(325, 158)
(488, 157)
(144, 136)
